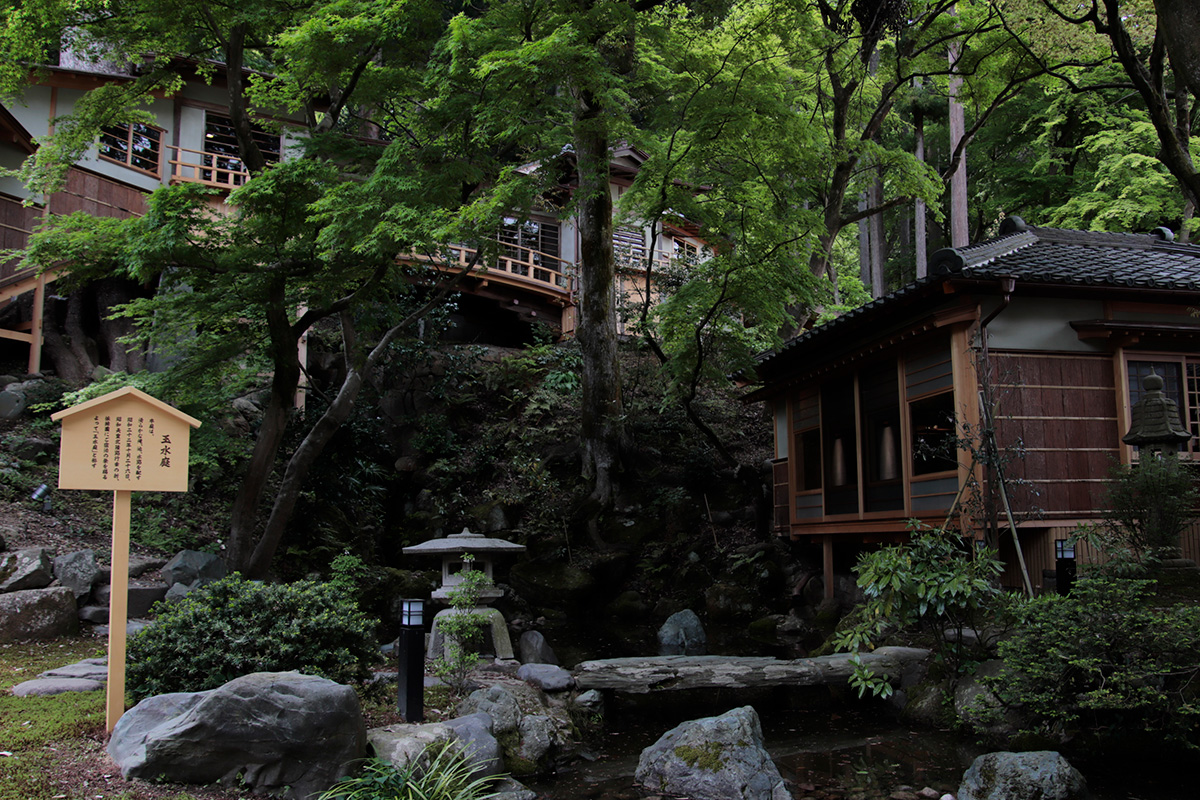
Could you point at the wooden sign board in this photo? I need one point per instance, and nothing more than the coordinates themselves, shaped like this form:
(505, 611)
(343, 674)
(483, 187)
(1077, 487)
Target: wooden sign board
(124, 440)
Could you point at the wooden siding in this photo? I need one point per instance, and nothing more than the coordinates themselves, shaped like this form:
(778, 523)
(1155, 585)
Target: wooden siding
(1063, 412)
(97, 196)
(16, 222)
(83, 191)
(1037, 544)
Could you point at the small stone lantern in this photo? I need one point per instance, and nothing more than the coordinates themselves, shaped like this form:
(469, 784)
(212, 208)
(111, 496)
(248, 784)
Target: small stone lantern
(452, 549)
(1154, 420)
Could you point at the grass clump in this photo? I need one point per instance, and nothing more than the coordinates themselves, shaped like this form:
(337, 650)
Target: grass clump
(440, 773)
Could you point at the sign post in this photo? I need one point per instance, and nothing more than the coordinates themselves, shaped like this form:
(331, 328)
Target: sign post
(121, 442)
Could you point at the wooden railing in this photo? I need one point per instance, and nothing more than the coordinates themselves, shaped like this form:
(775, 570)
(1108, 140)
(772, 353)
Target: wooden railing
(520, 265)
(194, 166)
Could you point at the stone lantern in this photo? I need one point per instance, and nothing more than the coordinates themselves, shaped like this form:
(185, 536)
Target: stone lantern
(1154, 420)
(452, 549)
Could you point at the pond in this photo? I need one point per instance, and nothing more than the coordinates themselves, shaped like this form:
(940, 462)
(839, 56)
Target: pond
(844, 752)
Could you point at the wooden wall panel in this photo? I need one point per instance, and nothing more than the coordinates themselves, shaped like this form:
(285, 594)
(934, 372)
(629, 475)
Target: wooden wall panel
(1063, 410)
(97, 196)
(16, 221)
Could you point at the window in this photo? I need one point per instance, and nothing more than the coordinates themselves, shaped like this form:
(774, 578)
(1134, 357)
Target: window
(879, 407)
(877, 443)
(531, 244)
(687, 252)
(629, 246)
(531, 234)
(134, 145)
(929, 389)
(932, 420)
(220, 143)
(840, 445)
(806, 422)
(1181, 383)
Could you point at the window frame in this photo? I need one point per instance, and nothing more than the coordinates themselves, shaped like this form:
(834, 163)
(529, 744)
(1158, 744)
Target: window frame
(1187, 401)
(131, 129)
(260, 134)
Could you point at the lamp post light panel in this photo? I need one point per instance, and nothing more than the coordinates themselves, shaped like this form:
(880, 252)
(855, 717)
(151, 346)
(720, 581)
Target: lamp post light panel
(124, 440)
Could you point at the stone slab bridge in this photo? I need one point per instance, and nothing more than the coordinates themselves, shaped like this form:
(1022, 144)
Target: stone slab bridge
(903, 665)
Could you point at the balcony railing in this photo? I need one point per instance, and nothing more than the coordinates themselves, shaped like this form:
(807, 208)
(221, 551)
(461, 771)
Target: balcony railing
(194, 166)
(521, 266)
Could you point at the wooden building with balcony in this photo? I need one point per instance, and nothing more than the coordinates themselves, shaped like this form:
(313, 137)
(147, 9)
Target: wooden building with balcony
(527, 277)
(1050, 331)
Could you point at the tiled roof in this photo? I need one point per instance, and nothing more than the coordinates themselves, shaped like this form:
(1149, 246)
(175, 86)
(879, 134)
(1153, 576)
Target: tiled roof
(1049, 255)
(1041, 256)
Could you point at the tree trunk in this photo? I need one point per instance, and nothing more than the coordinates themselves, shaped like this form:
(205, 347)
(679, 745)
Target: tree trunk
(959, 229)
(601, 424)
(111, 292)
(920, 236)
(310, 449)
(1179, 22)
(283, 352)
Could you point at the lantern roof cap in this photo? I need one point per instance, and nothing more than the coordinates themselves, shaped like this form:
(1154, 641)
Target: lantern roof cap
(465, 542)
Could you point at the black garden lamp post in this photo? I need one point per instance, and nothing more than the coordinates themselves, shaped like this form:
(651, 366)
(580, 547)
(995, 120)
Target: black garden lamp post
(410, 648)
(1064, 566)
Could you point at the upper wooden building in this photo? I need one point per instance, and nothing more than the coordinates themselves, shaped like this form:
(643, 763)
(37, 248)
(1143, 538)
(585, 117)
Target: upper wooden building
(1052, 330)
(530, 279)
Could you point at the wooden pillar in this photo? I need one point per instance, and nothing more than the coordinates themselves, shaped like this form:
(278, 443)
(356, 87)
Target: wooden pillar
(827, 558)
(35, 333)
(118, 609)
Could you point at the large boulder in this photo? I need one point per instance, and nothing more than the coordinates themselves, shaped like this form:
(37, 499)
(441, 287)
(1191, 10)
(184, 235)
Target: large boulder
(479, 744)
(37, 614)
(77, 571)
(534, 649)
(26, 569)
(273, 731)
(715, 758)
(194, 568)
(682, 635)
(1041, 775)
(140, 597)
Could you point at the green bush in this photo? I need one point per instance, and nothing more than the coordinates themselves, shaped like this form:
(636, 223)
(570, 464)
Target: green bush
(234, 627)
(1149, 505)
(1105, 661)
(937, 580)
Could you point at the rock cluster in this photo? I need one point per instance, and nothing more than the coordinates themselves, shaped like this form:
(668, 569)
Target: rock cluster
(43, 596)
(522, 727)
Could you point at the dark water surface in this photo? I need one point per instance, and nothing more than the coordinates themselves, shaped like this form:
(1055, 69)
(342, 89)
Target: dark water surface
(856, 753)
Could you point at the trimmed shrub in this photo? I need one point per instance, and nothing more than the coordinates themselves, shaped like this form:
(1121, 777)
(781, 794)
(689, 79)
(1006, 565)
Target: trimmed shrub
(235, 627)
(1106, 661)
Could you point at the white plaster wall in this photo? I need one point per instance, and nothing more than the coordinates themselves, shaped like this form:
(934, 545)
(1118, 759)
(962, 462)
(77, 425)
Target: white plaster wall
(1034, 323)
(12, 158)
(781, 431)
